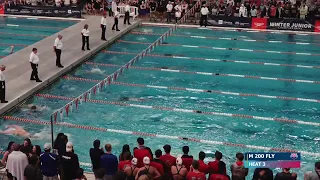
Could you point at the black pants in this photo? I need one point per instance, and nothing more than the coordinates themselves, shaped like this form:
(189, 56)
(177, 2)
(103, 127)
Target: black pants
(168, 16)
(205, 19)
(110, 12)
(34, 74)
(115, 24)
(126, 18)
(2, 90)
(58, 60)
(84, 40)
(103, 33)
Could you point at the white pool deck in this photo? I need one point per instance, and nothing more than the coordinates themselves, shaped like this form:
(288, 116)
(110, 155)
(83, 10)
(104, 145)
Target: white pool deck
(18, 69)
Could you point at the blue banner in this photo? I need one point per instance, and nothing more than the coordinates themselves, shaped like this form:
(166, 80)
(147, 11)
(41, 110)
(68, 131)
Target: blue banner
(280, 156)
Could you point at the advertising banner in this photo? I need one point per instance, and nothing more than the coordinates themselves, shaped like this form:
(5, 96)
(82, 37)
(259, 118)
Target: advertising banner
(1, 9)
(228, 21)
(290, 24)
(45, 11)
(317, 26)
(259, 23)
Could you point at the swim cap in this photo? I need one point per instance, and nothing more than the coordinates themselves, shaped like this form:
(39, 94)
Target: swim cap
(33, 107)
(146, 160)
(134, 161)
(179, 161)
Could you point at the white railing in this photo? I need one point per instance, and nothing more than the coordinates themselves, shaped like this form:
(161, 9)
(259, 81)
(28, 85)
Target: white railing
(134, 11)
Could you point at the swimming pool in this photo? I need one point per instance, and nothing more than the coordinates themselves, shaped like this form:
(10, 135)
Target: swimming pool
(181, 55)
(22, 32)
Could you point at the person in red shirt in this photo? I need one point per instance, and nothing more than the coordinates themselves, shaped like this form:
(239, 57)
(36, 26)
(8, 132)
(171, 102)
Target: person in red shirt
(214, 165)
(194, 173)
(141, 151)
(125, 162)
(157, 163)
(167, 158)
(186, 158)
(221, 174)
(203, 167)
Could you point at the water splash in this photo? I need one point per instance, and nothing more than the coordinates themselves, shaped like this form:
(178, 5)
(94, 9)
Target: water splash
(96, 70)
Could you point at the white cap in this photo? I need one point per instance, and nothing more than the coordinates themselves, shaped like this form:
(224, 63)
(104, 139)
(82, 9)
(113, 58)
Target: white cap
(134, 161)
(179, 161)
(146, 160)
(47, 146)
(69, 147)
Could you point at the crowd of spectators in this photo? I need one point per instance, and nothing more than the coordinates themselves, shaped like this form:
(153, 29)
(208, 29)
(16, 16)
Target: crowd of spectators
(53, 3)
(28, 162)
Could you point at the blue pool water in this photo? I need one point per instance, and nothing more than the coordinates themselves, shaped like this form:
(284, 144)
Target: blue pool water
(200, 126)
(22, 32)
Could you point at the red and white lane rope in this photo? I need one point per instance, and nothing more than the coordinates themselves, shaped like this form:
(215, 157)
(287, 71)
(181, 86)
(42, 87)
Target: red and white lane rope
(198, 90)
(210, 74)
(163, 108)
(224, 49)
(7, 44)
(217, 60)
(162, 136)
(15, 34)
(226, 38)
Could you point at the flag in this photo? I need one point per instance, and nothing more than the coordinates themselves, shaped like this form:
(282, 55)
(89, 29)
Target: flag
(115, 74)
(132, 62)
(77, 101)
(89, 93)
(85, 96)
(55, 116)
(98, 88)
(67, 109)
(71, 106)
(101, 85)
(121, 70)
(127, 65)
(81, 98)
(61, 115)
(109, 80)
(94, 89)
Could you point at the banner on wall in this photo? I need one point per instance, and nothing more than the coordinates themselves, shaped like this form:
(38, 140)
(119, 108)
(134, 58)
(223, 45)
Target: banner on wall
(259, 23)
(228, 21)
(290, 24)
(317, 26)
(45, 11)
(1, 9)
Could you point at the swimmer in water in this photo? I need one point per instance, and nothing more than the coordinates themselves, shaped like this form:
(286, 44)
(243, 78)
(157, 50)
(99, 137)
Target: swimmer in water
(33, 108)
(11, 49)
(16, 130)
(130, 99)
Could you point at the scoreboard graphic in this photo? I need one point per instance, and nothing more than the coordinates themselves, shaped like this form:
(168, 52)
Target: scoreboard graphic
(272, 160)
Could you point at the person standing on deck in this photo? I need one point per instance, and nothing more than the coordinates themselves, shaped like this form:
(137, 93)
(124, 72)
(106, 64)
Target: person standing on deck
(85, 37)
(57, 47)
(204, 16)
(2, 85)
(103, 26)
(127, 14)
(116, 20)
(34, 61)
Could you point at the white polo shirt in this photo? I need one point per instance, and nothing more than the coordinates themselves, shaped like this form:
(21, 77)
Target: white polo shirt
(104, 21)
(2, 78)
(58, 43)
(127, 8)
(34, 59)
(169, 7)
(116, 14)
(85, 32)
(204, 11)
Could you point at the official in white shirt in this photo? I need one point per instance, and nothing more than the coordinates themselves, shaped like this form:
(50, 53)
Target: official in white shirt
(34, 61)
(2, 85)
(127, 13)
(204, 15)
(103, 25)
(169, 11)
(116, 20)
(57, 47)
(85, 36)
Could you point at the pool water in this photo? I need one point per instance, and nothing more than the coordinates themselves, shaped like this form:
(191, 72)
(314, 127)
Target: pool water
(22, 32)
(200, 126)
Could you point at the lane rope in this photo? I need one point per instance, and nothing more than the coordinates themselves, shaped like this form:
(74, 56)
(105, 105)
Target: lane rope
(225, 38)
(216, 60)
(197, 90)
(162, 136)
(15, 34)
(46, 27)
(224, 49)
(163, 108)
(209, 74)
(8, 44)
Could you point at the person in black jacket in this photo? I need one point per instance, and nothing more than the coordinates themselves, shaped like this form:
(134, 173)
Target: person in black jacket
(69, 163)
(95, 154)
(262, 174)
(32, 171)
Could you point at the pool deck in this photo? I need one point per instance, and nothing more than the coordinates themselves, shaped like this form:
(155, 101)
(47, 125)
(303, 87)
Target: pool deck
(18, 69)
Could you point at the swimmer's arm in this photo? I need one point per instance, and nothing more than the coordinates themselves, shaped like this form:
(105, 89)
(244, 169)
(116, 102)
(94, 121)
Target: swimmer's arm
(157, 174)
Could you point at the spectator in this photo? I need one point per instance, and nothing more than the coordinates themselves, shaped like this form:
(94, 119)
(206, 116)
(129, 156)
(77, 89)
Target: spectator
(16, 163)
(157, 163)
(230, 2)
(285, 175)
(69, 163)
(143, 10)
(32, 171)
(141, 152)
(36, 150)
(27, 147)
(214, 165)
(167, 159)
(85, 37)
(303, 11)
(109, 162)
(66, 3)
(59, 144)
(184, 7)
(221, 174)
(177, 15)
(120, 175)
(125, 148)
(125, 162)
(214, 10)
(294, 11)
(58, 3)
(153, 8)
(178, 171)
(229, 10)
(132, 171)
(95, 154)
(148, 170)
(287, 10)
(253, 12)
(273, 11)
(237, 169)
(100, 174)
(203, 167)
(262, 174)
(10, 148)
(80, 175)
(279, 11)
(195, 173)
(186, 158)
(314, 175)
(169, 8)
(204, 16)
(49, 164)
(243, 11)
